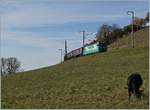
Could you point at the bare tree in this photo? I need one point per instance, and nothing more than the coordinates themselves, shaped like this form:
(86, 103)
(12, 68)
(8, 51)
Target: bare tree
(139, 23)
(10, 65)
(108, 33)
(3, 66)
(103, 34)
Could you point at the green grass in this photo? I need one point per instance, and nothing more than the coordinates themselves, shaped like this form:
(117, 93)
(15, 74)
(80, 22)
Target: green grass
(140, 38)
(94, 81)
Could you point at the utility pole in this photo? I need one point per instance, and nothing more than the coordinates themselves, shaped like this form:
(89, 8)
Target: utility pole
(83, 34)
(65, 47)
(60, 55)
(83, 37)
(132, 33)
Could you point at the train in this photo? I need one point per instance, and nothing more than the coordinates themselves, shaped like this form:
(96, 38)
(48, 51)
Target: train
(89, 49)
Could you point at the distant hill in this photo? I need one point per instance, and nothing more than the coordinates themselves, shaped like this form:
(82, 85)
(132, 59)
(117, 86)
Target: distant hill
(94, 81)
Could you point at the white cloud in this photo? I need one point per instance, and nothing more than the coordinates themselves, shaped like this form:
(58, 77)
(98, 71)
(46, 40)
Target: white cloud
(36, 18)
(30, 14)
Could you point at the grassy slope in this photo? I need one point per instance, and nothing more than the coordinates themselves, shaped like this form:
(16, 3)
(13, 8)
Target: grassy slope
(140, 38)
(95, 81)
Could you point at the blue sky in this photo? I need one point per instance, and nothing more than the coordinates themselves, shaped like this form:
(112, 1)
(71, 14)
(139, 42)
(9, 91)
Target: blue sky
(34, 30)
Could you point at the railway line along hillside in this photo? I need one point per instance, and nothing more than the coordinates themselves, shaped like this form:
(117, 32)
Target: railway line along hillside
(94, 81)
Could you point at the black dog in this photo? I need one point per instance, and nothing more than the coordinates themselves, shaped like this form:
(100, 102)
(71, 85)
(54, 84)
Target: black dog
(134, 83)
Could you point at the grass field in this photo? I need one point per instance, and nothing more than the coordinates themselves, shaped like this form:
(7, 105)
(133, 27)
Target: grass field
(140, 38)
(94, 81)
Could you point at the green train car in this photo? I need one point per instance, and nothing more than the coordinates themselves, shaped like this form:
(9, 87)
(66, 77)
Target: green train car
(94, 48)
(86, 50)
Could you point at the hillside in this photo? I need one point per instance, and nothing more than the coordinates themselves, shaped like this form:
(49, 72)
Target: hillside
(140, 40)
(94, 81)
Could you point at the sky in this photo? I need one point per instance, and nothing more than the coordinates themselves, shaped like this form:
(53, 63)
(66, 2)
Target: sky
(34, 30)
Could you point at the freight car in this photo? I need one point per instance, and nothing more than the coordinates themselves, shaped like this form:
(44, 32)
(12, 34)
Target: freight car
(73, 54)
(86, 50)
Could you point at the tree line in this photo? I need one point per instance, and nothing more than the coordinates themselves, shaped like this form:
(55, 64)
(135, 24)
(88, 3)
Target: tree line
(110, 33)
(10, 65)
